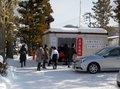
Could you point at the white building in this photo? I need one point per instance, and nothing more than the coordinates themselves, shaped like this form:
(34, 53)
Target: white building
(87, 40)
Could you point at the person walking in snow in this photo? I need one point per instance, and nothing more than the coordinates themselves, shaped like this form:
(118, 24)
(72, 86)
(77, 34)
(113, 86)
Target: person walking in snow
(23, 57)
(50, 51)
(46, 56)
(54, 57)
(39, 57)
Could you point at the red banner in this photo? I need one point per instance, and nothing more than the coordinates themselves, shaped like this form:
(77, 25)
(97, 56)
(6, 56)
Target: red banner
(79, 46)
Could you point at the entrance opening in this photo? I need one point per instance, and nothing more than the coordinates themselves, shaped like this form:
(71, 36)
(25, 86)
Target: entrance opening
(63, 59)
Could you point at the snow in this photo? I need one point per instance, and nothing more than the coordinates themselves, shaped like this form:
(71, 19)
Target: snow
(60, 78)
(82, 30)
(1, 59)
(112, 37)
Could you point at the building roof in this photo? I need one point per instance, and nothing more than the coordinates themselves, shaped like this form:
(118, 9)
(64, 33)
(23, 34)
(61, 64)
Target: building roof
(76, 30)
(113, 37)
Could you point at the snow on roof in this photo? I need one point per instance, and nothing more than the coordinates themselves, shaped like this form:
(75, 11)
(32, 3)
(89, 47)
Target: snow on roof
(113, 37)
(82, 30)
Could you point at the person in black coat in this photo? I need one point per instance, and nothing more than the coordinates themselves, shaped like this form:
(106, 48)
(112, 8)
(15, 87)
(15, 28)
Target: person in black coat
(71, 52)
(23, 57)
(66, 50)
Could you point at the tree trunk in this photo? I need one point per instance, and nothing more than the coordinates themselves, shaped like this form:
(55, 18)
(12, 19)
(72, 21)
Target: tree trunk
(9, 52)
(29, 49)
(2, 43)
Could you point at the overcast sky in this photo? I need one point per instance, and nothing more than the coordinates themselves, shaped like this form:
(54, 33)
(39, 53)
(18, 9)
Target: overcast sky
(68, 12)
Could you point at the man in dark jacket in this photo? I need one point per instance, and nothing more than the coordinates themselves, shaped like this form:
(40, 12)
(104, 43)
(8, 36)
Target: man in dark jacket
(71, 52)
(66, 50)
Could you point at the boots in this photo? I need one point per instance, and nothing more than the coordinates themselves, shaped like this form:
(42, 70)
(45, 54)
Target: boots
(38, 67)
(21, 62)
(54, 66)
(24, 63)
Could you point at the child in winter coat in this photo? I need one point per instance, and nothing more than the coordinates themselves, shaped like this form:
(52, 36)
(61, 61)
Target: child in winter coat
(54, 57)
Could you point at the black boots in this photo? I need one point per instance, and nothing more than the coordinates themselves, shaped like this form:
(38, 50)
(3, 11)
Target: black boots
(54, 66)
(44, 67)
(69, 67)
(38, 67)
(22, 63)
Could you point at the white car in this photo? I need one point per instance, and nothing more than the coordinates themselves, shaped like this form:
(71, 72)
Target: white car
(118, 79)
(107, 59)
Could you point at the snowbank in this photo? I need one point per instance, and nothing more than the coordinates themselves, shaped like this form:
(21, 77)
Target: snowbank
(6, 82)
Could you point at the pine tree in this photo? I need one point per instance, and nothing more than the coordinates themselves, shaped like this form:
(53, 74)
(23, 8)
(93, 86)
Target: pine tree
(117, 15)
(117, 11)
(102, 13)
(6, 29)
(7, 26)
(35, 19)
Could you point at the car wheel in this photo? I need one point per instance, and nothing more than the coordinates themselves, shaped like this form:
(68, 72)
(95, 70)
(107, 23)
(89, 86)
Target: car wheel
(118, 83)
(93, 68)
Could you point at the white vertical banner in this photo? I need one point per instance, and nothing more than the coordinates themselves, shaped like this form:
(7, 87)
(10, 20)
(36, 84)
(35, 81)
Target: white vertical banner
(53, 41)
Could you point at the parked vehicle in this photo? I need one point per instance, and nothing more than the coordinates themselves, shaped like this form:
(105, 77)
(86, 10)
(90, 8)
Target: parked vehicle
(118, 79)
(106, 59)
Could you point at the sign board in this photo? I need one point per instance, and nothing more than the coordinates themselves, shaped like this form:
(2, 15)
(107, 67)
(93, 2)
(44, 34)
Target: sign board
(79, 43)
(94, 44)
(53, 41)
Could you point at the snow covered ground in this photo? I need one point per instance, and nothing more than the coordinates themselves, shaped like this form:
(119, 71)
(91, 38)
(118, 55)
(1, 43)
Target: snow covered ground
(61, 78)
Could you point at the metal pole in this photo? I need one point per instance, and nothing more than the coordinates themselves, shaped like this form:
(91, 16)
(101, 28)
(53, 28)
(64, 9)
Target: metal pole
(119, 34)
(80, 15)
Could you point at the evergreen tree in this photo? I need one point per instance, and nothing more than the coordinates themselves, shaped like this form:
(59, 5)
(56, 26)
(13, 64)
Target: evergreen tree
(117, 11)
(6, 29)
(35, 19)
(117, 15)
(102, 14)
(7, 26)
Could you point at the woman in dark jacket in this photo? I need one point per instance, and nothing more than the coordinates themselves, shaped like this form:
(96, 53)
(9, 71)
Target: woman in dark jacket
(23, 57)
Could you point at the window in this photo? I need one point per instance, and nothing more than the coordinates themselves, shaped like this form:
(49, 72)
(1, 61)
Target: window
(114, 52)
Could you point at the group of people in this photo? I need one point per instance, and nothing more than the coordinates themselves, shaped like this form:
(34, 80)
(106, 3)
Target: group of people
(44, 55)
